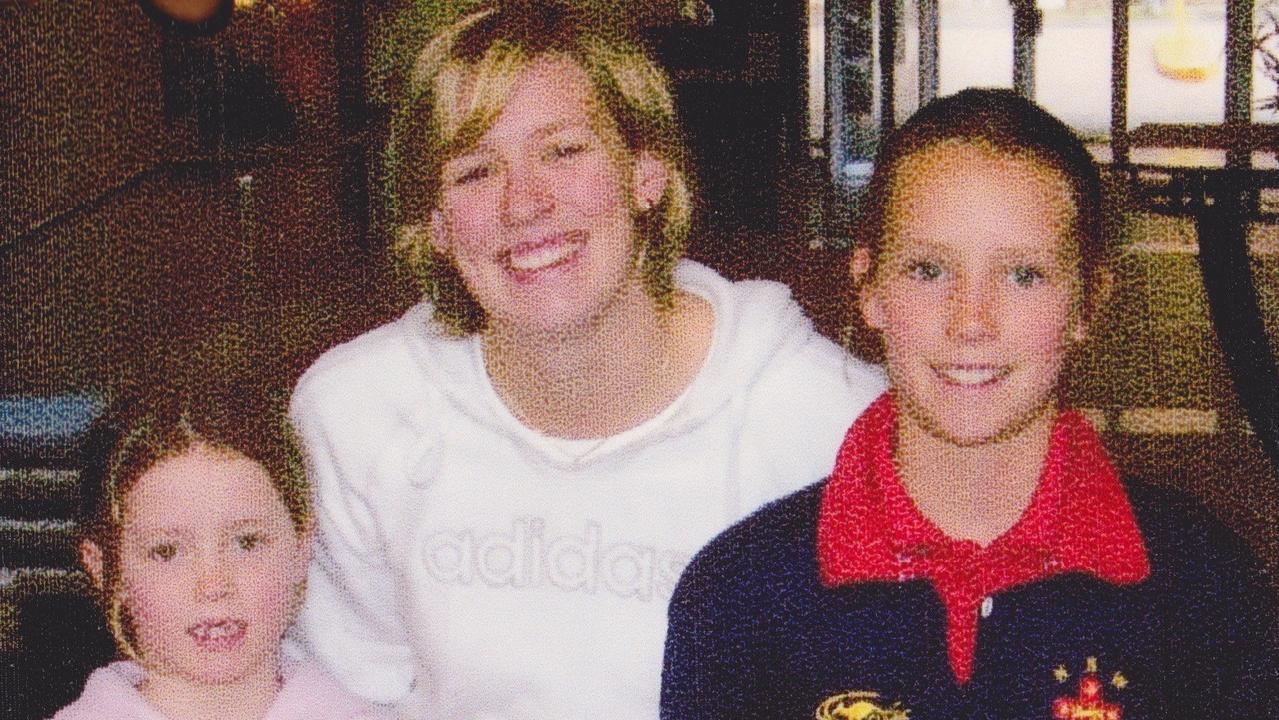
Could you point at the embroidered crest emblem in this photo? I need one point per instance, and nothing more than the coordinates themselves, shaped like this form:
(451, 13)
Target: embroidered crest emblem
(1088, 703)
(859, 705)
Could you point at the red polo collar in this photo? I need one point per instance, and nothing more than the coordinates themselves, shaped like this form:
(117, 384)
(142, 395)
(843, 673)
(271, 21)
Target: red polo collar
(1079, 520)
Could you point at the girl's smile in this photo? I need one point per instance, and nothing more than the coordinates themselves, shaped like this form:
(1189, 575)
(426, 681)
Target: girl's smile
(976, 291)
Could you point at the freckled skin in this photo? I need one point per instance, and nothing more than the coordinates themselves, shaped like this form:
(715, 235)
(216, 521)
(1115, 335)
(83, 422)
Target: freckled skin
(975, 292)
(548, 179)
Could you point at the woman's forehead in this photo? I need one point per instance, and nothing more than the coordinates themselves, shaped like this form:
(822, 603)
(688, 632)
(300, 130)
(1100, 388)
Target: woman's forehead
(521, 95)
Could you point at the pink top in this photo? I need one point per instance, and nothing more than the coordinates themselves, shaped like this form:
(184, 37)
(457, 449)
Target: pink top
(308, 693)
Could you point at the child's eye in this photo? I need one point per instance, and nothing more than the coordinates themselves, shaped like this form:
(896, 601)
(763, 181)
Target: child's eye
(250, 541)
(926, 270)
(564, 150)
(162, 552)
(1026, 275)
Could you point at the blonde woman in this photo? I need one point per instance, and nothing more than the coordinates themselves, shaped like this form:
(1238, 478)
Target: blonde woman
(512, 475)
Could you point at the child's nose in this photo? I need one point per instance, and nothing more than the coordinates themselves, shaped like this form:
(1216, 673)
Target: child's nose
(215, 579)
(526, 195)
(972, 312)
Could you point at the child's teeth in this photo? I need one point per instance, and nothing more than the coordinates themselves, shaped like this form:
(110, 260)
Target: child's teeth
(970, 376)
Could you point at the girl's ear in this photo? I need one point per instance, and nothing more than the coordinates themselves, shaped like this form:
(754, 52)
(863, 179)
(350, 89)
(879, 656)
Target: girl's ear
(651, 177)
(1096, 302)
(92, 559)
(869, 302)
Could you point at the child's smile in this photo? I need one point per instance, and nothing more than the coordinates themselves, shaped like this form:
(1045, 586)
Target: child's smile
(976, 290)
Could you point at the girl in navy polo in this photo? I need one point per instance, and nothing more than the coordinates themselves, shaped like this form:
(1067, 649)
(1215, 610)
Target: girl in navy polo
(974, 554)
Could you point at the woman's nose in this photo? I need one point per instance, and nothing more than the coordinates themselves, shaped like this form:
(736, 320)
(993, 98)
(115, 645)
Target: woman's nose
(972, 312)
(526, 196)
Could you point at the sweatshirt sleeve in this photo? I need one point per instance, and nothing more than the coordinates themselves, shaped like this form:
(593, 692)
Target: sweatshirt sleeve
(350, 620)
(800, 409)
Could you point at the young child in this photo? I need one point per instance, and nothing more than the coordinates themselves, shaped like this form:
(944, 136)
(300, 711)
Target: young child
(197, 533)
(974, 554)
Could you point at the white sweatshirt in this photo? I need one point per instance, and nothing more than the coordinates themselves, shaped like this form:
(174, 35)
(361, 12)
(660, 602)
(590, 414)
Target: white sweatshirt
(471, 567)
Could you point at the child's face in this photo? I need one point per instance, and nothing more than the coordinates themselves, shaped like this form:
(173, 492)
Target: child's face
(975, 291)
(210, 567)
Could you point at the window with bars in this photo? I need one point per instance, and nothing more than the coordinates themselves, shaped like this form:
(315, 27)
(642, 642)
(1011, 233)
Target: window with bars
(1177, 100)
(1137, 78)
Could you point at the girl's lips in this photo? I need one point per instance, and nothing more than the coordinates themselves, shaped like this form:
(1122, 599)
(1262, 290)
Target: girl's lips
(971, 376)
(526, 258)
(218, 635)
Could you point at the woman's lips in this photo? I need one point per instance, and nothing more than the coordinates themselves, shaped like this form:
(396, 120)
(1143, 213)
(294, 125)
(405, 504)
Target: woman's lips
(971, 376)
(218, 635)
(526, 258)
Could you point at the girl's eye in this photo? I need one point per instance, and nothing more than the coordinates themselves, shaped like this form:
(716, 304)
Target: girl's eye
(564, 150)
(250, 541)
(1026, 276)
(926, 270)
(162, 552)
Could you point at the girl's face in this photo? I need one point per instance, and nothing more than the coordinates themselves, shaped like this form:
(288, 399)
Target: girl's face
(975, 291)
(538, 215)
(210, 567)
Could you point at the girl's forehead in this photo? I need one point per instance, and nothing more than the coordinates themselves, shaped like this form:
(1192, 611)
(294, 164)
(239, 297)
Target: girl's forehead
(202, 487)
(972, 192)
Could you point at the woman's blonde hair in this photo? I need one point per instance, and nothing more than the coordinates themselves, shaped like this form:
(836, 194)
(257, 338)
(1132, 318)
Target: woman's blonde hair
(139, 433)
(486, 51)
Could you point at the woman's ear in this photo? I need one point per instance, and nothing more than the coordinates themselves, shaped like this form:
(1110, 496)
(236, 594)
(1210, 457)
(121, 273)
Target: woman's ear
(91, 558)
(869, 302)
(306, 544)
(650, 180)
(437, 233)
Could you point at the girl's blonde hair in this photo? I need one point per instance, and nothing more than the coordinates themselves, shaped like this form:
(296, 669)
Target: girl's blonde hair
(138, 433)
(485, 52)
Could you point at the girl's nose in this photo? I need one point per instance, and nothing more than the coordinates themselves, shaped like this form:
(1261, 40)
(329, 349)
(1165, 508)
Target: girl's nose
(972, 313)
(214, 579)
(526, 196)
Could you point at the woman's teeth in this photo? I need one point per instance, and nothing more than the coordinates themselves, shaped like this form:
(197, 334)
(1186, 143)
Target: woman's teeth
(538, 255)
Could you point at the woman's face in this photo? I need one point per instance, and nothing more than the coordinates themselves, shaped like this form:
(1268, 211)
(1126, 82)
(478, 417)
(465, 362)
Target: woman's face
(975, 291)
(537, 216)
(210, 567)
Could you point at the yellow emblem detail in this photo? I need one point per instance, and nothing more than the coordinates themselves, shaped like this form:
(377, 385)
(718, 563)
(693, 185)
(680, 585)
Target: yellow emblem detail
(859, 705)
(1090, 665)
(1119, 681)
(1061, 673)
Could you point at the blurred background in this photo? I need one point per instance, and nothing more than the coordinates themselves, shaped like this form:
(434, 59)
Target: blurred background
(206, 173)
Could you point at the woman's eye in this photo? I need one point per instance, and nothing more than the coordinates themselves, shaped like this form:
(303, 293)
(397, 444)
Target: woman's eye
(1026, 275)
(926, 270)
(162, 552)
(471, 174)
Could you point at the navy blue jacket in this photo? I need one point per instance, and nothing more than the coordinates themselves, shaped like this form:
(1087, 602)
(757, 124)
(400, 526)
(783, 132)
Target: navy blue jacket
(754, 633)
